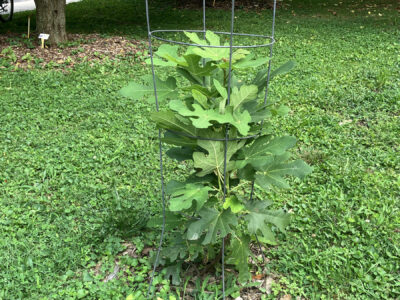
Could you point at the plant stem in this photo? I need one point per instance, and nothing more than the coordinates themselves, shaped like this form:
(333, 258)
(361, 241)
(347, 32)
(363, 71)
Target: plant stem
(224, 77)
(219, 179)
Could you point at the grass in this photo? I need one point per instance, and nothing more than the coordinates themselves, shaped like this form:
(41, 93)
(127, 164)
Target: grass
(79, 168)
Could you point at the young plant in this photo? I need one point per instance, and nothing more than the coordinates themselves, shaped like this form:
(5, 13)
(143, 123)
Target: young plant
(213, 202)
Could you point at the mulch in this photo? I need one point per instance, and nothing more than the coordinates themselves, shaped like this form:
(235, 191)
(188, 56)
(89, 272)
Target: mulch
(79, 48)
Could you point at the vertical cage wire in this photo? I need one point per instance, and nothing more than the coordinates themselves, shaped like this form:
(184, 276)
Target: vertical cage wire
(160, 153)
(226, 139)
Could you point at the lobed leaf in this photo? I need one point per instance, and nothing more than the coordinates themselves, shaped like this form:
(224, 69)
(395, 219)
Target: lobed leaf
(214, 160)
(240, 120)
(264, 147)
(214, 223)
(239, 254)
(168, 120)
(249, 62)
(180, 154)
(215, 54)
(169, 53)
(183, 194)
(202, 118)
(213, 38)
(234, 204)
(173, 272)
(245, 94)
(165, 89)
(195, 38)
(260, 216)
(194, 68)
(172, 221)
(272, 171)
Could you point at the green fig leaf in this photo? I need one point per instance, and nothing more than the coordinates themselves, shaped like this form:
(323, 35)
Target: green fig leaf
(180, 154)
(260, 218)
(173, 272)
(245, 94)
(214, 223)
(221, 90)
(212, 38)
(194, 68)
(195, 38)
(168, 120)
(238, 256)
(202, 118)
(249, 62)
(264, 147)
(214, 160)
(182, 195)
(165, 89)
(200, 98)
(273, 171)
(170, 53)
(234, 204)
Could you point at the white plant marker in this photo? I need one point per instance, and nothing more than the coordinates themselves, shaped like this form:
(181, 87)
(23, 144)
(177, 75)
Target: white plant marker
(43, 37)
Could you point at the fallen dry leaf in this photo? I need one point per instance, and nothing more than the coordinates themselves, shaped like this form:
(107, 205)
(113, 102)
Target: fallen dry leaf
(146, 251)
(344, 122)
(258, 276)
(268, 285)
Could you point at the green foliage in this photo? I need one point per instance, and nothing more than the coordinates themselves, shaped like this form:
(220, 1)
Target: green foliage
(59, 205)
(239, 255)
(259, 215)
(182, 195)
(202, 113)
(8, 53)
(272, 171)
(213, 162)
(203, 118)
(212, 224)
(165, 89)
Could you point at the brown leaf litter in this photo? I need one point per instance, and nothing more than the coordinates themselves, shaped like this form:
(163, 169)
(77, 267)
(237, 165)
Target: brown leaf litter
(79, 48)
(260, 273)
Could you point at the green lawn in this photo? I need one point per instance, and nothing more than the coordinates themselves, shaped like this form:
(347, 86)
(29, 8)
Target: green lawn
(79, 164)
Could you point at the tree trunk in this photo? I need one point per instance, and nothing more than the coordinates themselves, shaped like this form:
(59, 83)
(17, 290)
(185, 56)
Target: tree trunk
(50, 18)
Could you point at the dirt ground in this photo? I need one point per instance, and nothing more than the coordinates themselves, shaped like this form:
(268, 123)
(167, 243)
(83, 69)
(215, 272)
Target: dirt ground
(25, 53)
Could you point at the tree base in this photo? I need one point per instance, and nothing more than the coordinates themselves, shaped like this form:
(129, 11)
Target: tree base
(50, 19)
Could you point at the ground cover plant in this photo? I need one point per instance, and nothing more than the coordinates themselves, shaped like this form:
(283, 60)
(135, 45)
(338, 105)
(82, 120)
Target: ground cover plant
(78, 162)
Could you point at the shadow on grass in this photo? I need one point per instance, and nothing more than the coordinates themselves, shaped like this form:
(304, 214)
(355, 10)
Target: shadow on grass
(120, 17)
(127, 17)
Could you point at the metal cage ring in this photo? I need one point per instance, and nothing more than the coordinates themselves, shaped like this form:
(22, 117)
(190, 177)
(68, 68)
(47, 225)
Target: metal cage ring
(154, 34)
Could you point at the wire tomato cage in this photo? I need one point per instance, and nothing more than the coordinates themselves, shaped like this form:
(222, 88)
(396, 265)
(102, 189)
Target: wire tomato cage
(158, 35)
